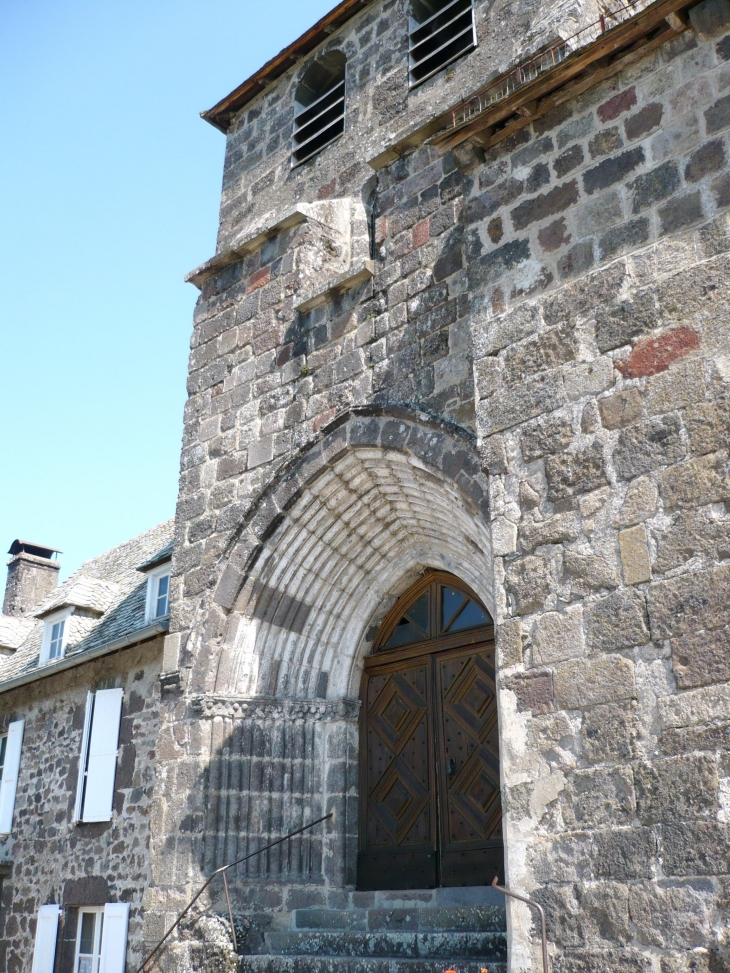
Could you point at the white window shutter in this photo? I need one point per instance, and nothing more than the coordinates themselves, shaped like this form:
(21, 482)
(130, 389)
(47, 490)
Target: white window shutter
(114, 938)
(9, 783)
(44, 951)
(102, 759)
(83, 757)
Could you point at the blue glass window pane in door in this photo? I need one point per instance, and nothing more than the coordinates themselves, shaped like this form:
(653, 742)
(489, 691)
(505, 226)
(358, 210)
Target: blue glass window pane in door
(469, 617)
(418, 614)
(414, 626)
(451, 602)
(403, 634)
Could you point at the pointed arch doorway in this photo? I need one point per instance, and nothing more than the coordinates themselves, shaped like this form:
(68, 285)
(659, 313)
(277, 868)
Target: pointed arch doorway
(430, 807)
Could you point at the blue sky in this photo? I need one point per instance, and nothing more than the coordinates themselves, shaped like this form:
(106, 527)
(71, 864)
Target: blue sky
(109, 185)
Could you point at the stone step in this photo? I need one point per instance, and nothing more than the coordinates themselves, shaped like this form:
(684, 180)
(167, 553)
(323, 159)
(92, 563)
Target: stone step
(470, 895)
(358, 964)
(485, 946)
(485, 918)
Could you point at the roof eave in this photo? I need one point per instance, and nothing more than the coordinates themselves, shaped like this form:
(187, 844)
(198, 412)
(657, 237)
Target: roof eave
(73, 660)
(219, 116)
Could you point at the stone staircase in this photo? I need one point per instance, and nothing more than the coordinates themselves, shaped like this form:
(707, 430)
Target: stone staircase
(426, 931)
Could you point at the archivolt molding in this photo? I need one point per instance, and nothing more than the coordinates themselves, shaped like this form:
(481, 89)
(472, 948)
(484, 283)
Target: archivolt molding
(332, 543)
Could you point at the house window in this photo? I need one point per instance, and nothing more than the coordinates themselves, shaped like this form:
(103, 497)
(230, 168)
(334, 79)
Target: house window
(319, 107)
(158, 593)
(55, 636)
(56, 647)
(98, 761)
(10, 749)
(438, 33)
(101, 939)
(88, 941)
(163, 592)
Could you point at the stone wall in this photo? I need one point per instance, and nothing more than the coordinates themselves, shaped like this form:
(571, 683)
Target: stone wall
(54, 860)
(380, 107)
(559, 303)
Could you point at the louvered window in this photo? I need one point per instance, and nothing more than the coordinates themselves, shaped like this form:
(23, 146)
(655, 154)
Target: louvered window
(319, 110)
(438, 34)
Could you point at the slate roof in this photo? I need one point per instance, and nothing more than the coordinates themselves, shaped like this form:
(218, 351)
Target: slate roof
(108, 594)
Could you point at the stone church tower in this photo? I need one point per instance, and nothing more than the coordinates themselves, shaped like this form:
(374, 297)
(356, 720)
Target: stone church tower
(451, 551)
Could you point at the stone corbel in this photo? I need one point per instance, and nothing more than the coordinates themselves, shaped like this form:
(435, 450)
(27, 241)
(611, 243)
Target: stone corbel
(334, 217)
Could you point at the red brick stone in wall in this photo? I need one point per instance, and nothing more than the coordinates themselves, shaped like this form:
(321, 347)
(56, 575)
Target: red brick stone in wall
(617, 105)
(258, 279)
(421, 234)
(655, 355)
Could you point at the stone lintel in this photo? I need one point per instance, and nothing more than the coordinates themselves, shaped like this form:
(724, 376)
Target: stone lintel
(271, 708)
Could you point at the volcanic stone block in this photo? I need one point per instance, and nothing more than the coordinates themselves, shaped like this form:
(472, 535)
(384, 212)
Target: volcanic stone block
(700, 848)
(639, 504)
(528, 579)
(539, 393)
(699, 481)
(546, 204)
(609, 733)
(618, 621)
(571, 473)
(588, 682)
(671, 914)
(702, 658)
(681, 212)
(689, 603)
(709, 158)
(553, 530)
(624, 853)
(558, 636)
(643, 447)
(534, 691)
(710, 18)
(655, 185)
(634, 555)
(644, 121)
(612, 170)
(599, 798)
(548, 435)
(671, 789)
(618, 323)
(621, 409)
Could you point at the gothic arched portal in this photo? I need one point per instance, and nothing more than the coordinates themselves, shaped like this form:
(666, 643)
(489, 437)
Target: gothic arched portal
(430, 806)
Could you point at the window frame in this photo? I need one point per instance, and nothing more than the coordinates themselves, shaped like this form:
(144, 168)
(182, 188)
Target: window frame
(3, 751)
(414, 26)
(154, 576)
(432, 581)
(300, 109)
(98, 911)
(49, 621)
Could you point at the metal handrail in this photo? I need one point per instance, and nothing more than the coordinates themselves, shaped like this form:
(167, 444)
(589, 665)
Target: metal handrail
(222, 872)
(535, 905)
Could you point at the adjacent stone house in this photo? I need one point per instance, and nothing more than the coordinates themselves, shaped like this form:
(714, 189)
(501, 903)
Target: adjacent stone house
(79, 691)
(450, 562)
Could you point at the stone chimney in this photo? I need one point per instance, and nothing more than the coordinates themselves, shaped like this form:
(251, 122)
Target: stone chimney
(32, 575)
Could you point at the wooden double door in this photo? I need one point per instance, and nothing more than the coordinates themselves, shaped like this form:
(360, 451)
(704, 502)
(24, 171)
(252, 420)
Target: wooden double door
(430, 808)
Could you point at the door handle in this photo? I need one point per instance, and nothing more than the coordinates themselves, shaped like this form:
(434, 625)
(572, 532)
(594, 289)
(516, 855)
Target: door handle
(450, 766)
